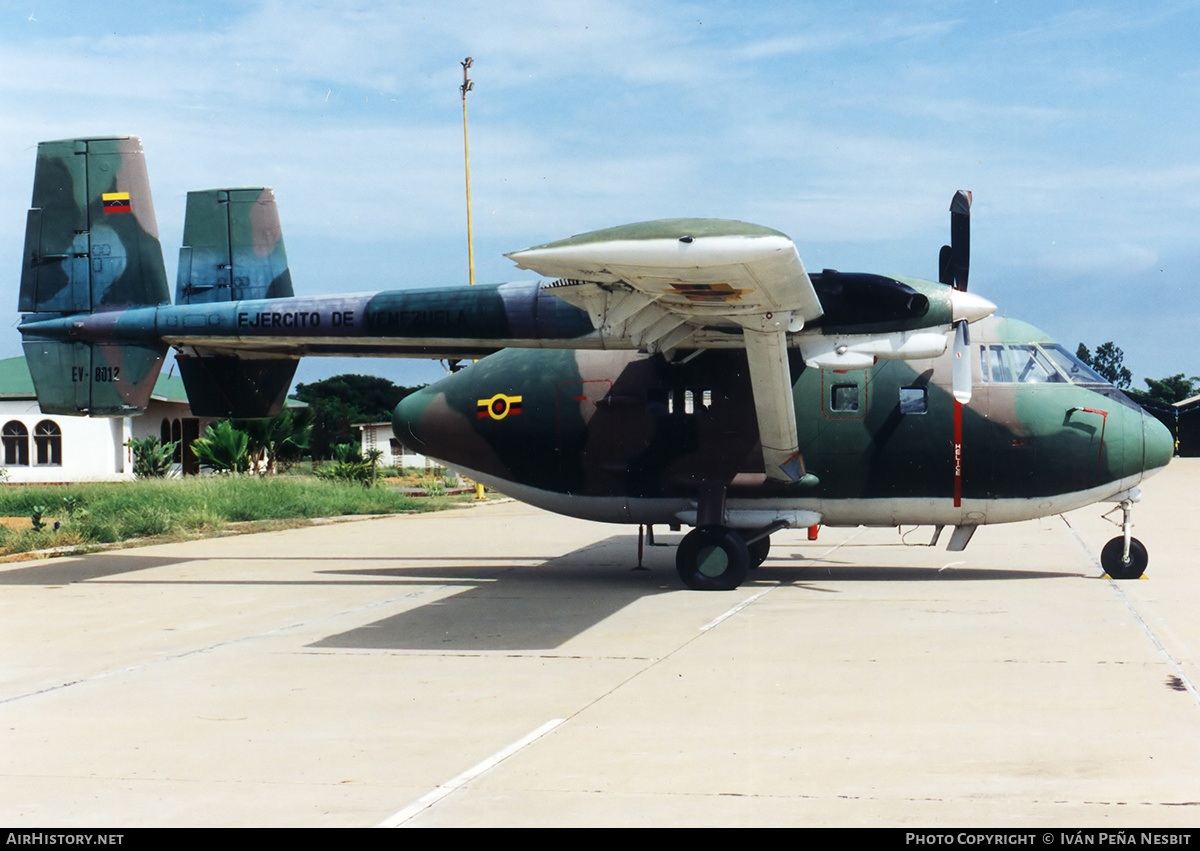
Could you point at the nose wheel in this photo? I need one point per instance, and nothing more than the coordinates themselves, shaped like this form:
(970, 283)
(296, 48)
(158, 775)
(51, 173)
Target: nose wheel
(1125, 557)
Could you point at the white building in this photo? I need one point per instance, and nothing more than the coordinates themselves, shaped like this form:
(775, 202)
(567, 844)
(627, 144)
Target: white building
(35, 447)
(381, 436)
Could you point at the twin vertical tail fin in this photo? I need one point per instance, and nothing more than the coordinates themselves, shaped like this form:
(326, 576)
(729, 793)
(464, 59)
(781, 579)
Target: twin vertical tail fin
(233, 251)
(232, 248)
(93, 273)
(91, 246)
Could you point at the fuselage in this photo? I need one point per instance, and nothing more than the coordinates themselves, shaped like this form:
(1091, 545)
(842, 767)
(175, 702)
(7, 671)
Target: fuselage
(627, 437)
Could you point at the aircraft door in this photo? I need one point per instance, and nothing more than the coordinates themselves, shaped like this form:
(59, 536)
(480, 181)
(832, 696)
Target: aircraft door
(843, 439)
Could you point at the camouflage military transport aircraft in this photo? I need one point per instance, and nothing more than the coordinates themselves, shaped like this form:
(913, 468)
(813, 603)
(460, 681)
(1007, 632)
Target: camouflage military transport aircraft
(679, 372)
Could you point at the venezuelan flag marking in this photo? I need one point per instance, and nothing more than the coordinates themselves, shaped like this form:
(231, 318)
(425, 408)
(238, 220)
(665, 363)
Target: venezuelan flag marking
(116, 202)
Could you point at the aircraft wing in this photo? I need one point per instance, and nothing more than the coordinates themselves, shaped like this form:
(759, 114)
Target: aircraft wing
(647, 280)
(657, 283)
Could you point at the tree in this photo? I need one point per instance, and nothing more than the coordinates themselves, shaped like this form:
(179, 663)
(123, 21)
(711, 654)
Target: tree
(1109, 362)
(1173, 389)
(338, 403)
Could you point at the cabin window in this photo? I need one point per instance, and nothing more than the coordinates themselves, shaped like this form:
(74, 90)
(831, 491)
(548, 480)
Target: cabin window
(914, 400)
(47, 444)
(844, 397)
(690, 401)
(696, 400)
(16, 444)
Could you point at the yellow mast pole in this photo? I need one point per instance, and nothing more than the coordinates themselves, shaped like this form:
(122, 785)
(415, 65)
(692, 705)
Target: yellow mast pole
(466, 86)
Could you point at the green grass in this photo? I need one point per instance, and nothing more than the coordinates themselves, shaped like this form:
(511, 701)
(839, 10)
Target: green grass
(108, 512)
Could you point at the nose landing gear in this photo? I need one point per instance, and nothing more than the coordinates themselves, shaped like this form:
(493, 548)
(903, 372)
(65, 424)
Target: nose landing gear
(1125, 557)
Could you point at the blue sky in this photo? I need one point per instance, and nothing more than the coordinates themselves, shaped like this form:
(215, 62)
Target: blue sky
(847, 126)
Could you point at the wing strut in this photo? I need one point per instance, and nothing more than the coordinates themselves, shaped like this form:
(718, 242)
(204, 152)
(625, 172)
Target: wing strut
(771, 381)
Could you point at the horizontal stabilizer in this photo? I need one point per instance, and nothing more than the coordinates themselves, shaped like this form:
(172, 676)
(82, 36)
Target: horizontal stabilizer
(232, 248)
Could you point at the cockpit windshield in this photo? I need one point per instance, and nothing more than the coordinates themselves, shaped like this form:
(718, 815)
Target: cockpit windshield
(1029, 363)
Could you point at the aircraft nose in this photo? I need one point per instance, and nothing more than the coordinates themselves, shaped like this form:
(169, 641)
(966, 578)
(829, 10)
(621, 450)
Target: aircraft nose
(406, 420)
(1158, 445)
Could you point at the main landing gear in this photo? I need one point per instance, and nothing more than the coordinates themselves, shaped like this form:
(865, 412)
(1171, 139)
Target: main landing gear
(717, 558)
(1124, 557)
(712, 558)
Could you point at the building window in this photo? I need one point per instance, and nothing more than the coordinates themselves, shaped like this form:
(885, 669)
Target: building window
(16, 444)
(171, 431)
(47, 444)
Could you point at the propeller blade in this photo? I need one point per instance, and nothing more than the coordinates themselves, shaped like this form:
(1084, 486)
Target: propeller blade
(961, 372)
(960, 239)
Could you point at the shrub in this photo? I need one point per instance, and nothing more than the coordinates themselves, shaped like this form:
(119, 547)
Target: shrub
(151, 458)
(223, 448)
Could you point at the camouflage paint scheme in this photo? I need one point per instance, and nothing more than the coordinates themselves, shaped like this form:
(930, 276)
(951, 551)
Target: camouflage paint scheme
(96, 250)
(595, 428)
(611, 397)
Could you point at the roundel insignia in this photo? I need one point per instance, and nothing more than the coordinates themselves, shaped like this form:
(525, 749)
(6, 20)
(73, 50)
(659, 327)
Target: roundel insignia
(498, 407)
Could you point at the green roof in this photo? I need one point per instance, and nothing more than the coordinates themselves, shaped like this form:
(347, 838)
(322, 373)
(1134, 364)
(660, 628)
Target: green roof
(16, 383)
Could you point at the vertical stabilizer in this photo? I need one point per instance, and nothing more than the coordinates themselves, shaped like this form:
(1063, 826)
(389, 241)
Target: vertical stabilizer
(91, 245)
(233, 251)
(232, 248)
(91, 239)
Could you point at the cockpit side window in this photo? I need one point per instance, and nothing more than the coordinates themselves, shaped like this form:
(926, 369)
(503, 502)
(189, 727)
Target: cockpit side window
(1045, 363)
(995, 366)
(1077, 371)
(1033, 367)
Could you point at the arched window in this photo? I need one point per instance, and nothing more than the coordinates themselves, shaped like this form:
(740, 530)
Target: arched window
(47, 444)
(177, 437)
(164, 433)
(16, 444)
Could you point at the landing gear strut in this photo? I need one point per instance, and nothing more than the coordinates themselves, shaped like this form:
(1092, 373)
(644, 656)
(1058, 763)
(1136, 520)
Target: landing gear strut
(1124, 557)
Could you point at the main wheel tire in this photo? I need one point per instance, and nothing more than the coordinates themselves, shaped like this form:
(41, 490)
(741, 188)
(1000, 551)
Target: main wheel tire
(1116, 566)
(712, 558)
